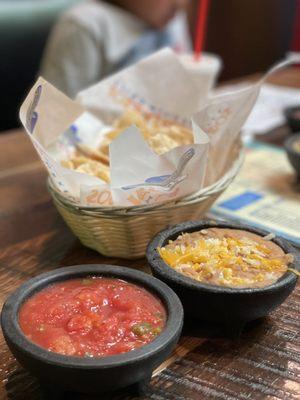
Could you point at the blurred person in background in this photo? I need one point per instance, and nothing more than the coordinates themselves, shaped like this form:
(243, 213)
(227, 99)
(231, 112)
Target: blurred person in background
(96, 38)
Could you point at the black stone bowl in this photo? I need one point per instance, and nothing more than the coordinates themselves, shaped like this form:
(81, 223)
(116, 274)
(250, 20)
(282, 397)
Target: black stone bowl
(228, 307)
(92, 374)
(292, 120)
(292, 153)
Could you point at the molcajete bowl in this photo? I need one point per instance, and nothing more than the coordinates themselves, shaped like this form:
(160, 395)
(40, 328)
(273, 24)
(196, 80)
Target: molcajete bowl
(292, 115)
(100, 374)
(229, 307)
(292, 152)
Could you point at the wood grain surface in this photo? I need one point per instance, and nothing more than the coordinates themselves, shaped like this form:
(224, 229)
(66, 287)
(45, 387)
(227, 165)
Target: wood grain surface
(264, 363)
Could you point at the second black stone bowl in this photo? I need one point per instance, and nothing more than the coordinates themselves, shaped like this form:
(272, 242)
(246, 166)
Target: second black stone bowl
(92, 374)
(292, 115)
(292, 153)
(230, 307)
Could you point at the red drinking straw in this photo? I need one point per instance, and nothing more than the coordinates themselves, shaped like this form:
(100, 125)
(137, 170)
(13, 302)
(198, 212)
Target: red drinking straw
(201, 27)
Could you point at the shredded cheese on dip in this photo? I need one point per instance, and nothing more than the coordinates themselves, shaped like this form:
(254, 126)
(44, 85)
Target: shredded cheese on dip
(227, 257)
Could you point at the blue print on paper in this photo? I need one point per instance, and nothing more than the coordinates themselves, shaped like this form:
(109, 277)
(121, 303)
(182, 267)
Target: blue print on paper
(240, 201)
(168, 182)
(32, 115)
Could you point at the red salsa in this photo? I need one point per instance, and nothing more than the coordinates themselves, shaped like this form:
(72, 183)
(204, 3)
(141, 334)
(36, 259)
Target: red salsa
(92, 317)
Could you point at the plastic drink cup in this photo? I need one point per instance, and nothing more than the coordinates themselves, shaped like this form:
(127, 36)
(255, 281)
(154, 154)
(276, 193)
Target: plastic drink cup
(204, 72)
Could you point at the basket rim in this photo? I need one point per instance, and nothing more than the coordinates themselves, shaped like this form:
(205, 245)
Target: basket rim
(190, 199)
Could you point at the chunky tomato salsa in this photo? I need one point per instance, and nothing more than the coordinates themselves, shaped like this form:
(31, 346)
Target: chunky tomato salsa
(92, 317)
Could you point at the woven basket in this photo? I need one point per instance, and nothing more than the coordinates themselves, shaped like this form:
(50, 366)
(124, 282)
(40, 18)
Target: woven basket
(125, 232)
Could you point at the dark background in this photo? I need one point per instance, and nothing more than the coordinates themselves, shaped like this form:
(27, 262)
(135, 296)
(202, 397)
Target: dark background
(249, 35)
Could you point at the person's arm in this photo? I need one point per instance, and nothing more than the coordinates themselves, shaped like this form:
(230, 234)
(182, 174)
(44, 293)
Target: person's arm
(73, 58)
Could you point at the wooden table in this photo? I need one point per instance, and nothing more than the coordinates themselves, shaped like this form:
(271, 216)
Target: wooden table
(264, 363)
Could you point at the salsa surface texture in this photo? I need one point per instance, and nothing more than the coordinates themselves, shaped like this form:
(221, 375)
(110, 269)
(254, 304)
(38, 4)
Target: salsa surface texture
(92, 317)
(226, 257)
